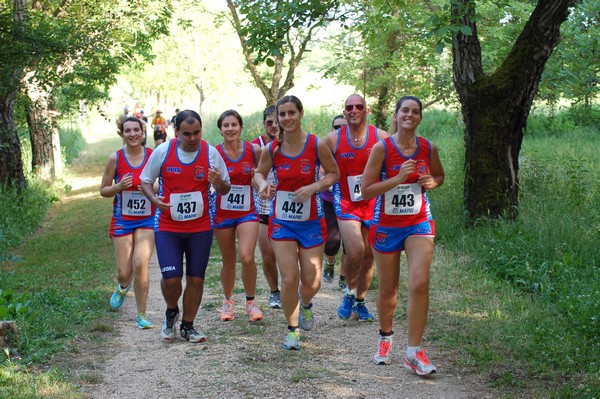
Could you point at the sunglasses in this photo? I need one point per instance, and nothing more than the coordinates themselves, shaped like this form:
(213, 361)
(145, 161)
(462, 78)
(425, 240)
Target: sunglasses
(269, 123)
(350, 107)
(336, 127)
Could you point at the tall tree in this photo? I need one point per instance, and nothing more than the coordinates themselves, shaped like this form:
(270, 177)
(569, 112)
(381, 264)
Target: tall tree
(11, 71)
(384, 52)
(95, 40)
(275, 35)
(495, 106)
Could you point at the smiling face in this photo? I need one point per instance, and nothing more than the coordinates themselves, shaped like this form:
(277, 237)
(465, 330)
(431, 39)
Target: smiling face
(189, 134)
(133, 133)
(230, 129)
(408, 116)
(289, 117)
(355, 110)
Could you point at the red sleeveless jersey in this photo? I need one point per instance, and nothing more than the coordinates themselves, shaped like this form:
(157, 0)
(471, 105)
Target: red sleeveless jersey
(406, 204)
(185, 187)
(239, 201)
(131, 204)
(291, 173)
(351, 161)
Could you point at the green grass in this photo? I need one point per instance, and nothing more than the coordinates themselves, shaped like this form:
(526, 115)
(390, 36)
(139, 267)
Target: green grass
(514, 301)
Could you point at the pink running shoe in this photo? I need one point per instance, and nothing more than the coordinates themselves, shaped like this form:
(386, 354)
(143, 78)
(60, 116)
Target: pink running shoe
(253, 311)
(227, 310)
(420, 364)
(383, 356)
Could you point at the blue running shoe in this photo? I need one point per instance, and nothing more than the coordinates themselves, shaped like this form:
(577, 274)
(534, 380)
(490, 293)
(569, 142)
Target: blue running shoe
(116, 300)
(345, 309)
(306, 319)
(292, 341)
(360, 312)
(143, 322)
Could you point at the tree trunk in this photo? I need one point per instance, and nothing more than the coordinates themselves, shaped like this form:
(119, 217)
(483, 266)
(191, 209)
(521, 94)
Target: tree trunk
(40, 130)
(11, 164)
(495, 107)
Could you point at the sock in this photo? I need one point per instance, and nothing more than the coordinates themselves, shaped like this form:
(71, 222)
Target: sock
(328, 263)
(352, 292)
(360, 300)
(386, 334)
(123, 288)
(411, 351)
(306, 306)
(293, 328)
(173, 311)
(274, 292)
(186, 325)
(249, 298)
(343, 278)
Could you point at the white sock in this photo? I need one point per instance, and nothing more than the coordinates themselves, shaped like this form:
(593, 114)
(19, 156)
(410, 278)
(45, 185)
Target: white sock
(411, 351)
(352, 292)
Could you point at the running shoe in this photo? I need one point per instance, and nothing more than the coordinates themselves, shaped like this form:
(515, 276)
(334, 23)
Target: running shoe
(143, 322)
(191, 335)
(292, 341)
(345, 309)
(275, 300)
(328, 272)
(116, 300)
(383, 355)
(167, 330)
(253, 311)
(227, 310)
(342, 284)
(361, 313)
(306, 319)
(420, 364)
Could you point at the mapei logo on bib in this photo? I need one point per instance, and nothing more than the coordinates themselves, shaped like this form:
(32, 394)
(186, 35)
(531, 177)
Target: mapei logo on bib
(199, 173)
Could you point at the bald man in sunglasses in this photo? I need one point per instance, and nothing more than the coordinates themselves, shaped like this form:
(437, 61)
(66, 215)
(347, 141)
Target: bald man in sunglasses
(351, 146)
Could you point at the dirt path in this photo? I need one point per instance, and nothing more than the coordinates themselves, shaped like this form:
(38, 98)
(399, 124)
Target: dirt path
(244, 360)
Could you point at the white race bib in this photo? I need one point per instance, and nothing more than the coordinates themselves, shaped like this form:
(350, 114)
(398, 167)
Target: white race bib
(354, 188)
(186, 206)
(135, 203)
(289, 209)
(238, 199)
(404, 199)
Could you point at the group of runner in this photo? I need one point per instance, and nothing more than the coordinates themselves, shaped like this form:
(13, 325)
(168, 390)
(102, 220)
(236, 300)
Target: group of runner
(268, 191)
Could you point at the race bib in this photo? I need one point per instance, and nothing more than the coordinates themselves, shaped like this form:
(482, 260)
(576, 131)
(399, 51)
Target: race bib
(404, 199)
(288, 209)
(186, 206)
(135, 203)
(238, 199)
(354, 188)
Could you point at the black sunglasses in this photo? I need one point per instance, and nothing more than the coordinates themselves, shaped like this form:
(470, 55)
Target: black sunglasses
(336, 127)
(350, 107)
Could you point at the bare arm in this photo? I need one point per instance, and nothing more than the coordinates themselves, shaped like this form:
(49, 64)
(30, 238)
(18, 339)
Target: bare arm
(436, 175)
(332, 174)
(107, 188)
(370, 186)
(265, 190)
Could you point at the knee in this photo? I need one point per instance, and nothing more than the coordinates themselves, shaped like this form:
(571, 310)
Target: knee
(419, 287)
(247, 260)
